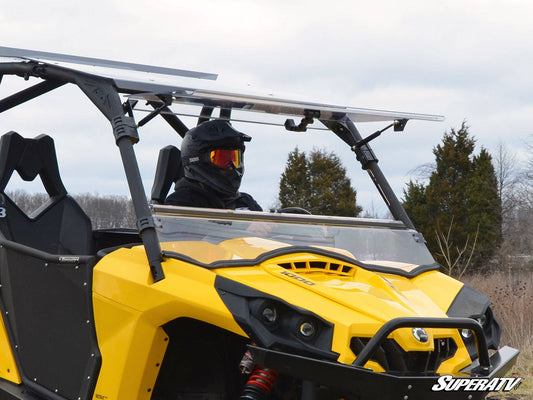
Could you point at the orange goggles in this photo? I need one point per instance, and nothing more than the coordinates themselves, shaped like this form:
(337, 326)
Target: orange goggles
(223, 157)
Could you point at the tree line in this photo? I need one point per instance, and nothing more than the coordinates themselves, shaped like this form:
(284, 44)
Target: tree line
(105, 211)
(474, 209)
(459, 209)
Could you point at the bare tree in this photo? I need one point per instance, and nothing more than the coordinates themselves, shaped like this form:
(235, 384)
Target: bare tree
(524, 194)
(105, 211)
(422, 172)
(529, 162)
(515, 188)
(456, 260)
(27, 202)
(507, 172)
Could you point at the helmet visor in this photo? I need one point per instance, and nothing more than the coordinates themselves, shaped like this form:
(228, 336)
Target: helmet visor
(223, 157)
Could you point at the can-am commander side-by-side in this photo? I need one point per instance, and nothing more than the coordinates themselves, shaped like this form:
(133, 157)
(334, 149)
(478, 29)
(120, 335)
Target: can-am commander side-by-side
(218, 304)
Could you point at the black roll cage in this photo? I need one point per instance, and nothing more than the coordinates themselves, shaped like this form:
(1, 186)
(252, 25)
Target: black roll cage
(105, 93)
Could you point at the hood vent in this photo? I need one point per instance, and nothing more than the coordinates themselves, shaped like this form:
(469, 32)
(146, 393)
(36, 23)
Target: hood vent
(319, 266)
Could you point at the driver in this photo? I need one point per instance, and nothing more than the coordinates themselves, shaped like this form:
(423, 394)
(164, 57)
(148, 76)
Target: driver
(212, 157)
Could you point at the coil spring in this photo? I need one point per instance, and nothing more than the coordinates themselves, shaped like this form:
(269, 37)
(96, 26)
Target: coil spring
(260, 384)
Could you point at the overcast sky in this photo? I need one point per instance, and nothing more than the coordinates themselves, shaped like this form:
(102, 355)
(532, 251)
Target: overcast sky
(467, 60)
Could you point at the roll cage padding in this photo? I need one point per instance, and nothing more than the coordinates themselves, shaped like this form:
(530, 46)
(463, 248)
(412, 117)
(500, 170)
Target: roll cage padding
(169, 169)
(59, 226)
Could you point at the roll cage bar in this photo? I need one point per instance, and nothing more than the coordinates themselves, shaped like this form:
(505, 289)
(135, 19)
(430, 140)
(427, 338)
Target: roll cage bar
(104, 92)
(105, 96)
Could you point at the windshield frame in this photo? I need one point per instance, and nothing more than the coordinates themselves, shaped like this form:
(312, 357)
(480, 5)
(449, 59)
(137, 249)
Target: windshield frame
(191, 212)
(275, 217)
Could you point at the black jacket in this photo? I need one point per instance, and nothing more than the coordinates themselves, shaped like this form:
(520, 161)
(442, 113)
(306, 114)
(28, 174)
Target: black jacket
(190, 193)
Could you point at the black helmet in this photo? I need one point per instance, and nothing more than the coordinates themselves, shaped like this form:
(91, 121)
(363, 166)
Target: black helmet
(211, 153)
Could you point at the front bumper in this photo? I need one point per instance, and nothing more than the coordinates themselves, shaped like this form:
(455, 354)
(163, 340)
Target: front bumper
(352, 380)
(367, 384)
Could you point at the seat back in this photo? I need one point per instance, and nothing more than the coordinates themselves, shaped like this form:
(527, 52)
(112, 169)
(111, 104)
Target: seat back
(169, 170)
(59, 226)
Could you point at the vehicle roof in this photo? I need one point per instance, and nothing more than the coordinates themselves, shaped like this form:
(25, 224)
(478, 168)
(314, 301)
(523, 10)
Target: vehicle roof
(148, 82)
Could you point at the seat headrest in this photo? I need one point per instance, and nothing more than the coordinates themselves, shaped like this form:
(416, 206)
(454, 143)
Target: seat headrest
(169, 169)
(30, 157)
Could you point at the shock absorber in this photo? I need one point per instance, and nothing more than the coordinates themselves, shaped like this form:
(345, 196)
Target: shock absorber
(260, 384)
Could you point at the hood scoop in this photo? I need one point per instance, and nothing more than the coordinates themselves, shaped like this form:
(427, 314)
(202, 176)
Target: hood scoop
(319, 266)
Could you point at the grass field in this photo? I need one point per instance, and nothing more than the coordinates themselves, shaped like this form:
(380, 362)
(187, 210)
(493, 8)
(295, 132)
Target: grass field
(511, 295)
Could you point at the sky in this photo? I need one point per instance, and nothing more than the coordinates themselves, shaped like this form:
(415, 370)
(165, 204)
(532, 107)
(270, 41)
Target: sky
(467, 60)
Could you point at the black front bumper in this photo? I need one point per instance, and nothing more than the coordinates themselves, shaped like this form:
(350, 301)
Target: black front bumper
(366, 384)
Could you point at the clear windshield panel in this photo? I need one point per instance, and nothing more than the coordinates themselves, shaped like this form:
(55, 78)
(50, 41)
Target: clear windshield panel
(364, 243)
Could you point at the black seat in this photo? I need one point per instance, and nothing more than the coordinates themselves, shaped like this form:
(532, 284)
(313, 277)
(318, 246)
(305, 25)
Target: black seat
(169, 170)
(59, 226)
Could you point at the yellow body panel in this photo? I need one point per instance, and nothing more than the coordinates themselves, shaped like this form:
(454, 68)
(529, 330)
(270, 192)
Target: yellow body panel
(8, 365)
(126, 373)
(130, 309)
(441, 288)
(360, 303)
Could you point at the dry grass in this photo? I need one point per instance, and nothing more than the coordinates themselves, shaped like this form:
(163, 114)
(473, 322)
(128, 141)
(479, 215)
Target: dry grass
(511, 295)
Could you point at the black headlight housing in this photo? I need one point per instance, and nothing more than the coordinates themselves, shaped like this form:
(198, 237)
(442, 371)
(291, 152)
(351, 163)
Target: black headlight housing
(470, 303)
(275, 324)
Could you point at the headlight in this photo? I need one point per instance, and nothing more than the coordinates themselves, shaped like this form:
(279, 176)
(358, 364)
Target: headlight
(270, 314)
(466, 333)
(307, 329)
(275, 324)
(421, 335)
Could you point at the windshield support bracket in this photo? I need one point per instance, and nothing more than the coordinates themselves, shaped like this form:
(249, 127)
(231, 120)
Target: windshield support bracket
(344, 128)
(105, 97)
(398, 125)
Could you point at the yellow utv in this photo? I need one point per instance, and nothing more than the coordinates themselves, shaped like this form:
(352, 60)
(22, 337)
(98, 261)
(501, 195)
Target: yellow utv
(218, 304)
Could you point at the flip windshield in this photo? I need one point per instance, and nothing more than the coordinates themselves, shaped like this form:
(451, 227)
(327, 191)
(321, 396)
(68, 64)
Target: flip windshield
(368, 241)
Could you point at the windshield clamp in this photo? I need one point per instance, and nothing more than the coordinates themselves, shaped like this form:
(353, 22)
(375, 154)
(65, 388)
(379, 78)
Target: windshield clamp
(302, 126)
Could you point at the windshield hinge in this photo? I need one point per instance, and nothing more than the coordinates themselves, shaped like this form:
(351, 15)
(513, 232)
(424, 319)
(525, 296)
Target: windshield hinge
(310, 115)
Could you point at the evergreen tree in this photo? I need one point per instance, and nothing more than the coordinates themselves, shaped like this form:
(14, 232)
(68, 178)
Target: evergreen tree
(446, 192)
(484, 207)
(295, 183)
(415, 203)
(459, 211)
(318, 183)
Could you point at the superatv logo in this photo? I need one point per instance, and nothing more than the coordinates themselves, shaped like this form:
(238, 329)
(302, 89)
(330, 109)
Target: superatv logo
(297, 278)
(450, 384)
